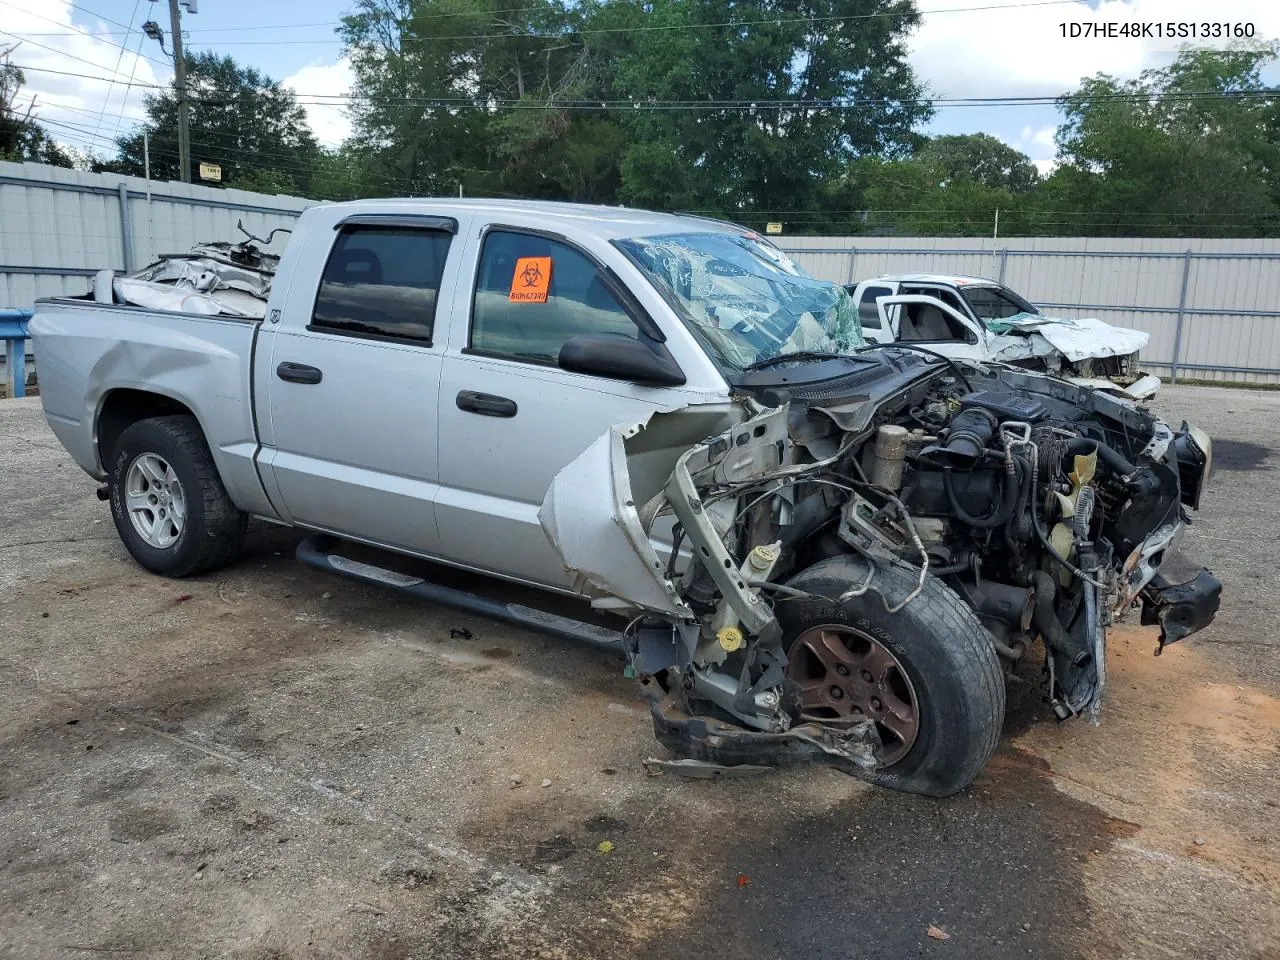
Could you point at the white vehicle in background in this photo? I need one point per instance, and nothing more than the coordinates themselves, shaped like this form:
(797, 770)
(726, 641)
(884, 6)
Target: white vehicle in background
(973, 318)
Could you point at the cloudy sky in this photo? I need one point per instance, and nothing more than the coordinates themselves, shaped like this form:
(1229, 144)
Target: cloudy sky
(965, 48)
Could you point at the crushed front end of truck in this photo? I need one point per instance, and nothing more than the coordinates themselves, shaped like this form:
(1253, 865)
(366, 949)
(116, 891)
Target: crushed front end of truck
(846, 566)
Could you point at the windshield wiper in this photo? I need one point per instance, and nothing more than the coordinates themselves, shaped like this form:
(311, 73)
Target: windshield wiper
(784, 357)
(916, 348)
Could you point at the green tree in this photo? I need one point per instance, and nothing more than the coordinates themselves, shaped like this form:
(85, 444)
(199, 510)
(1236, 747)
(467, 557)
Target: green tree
(951, 186)
(1190, 149)
(476, 95)
(918, 198)
(775, 99)
(21, 136)
(981, 159)
(239, 118)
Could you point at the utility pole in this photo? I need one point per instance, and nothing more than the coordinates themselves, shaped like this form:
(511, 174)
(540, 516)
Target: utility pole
(180, 86)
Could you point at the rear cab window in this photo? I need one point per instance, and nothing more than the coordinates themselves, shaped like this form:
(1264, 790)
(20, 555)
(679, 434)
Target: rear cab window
(382, 283)
(534, 293)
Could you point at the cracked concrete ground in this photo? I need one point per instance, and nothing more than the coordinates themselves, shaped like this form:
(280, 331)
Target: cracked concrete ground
(269, 763)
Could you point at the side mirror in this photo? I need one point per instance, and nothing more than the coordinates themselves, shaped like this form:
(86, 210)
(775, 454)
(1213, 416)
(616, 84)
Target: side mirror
(619, 357)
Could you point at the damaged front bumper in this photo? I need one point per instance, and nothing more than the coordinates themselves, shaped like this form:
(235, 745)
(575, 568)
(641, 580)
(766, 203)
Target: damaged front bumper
(1180, 609)
(855, 749)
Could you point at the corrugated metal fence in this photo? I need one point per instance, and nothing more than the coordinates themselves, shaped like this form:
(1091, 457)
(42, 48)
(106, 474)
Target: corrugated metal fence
(59, 227)
(1212, 307)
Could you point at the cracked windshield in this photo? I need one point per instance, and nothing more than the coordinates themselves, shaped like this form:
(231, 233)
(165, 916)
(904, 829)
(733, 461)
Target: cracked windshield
(748, 301)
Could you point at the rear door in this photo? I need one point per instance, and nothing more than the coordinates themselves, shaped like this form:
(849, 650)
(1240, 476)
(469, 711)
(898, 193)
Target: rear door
(510, 418)
(354, 385)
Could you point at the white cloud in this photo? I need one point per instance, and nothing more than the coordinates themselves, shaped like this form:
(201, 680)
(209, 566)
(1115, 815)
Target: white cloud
(1036, 143)
(1020, 51)
(315, 84)
(90, 108)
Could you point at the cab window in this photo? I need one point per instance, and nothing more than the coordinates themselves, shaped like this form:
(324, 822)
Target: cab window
(533, 294)
(868, 311)
(382, 283)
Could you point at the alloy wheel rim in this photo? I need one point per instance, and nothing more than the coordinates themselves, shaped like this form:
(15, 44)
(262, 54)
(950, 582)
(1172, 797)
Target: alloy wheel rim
(154, 500)
(846, 676)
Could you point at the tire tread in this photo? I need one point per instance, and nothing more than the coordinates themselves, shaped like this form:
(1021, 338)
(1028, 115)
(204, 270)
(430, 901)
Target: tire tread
(222, 530)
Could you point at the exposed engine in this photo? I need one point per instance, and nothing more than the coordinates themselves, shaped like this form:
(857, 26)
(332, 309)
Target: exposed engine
(1045, 506)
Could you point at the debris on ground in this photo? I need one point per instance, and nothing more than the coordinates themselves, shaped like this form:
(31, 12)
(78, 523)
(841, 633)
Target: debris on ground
(701, 769)
(937, 933)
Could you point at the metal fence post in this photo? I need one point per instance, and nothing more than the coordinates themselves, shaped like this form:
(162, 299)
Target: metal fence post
(126, 228)
(13, 331)
(1182, 312)
(1004, 259)
(853, 256)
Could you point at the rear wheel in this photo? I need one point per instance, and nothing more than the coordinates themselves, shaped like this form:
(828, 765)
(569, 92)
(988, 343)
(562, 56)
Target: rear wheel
(169, 505)
(927, 676)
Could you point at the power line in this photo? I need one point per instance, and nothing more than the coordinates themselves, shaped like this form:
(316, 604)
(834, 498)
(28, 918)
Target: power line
(61, 53)
(124, 103)
(116, 71)
(82, 76)
(758, 105)
(78, 33)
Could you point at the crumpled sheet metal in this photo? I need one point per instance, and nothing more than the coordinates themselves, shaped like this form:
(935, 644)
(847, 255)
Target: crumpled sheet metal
(1074, 340)
(590, 518)
(212, 279)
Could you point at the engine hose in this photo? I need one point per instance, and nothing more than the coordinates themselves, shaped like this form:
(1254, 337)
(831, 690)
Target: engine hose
(1012, 536)
(957, 566)
(1003, 510)
(1050, 626)
(1112, 457)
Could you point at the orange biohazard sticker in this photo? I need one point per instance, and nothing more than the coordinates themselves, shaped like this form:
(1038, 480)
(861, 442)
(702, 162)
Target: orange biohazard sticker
(531, 280)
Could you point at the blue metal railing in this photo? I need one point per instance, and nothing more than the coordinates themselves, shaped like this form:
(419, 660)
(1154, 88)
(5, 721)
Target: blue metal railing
(13, 331)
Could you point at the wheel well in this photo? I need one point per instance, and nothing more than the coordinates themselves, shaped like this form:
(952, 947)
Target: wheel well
(123, 408)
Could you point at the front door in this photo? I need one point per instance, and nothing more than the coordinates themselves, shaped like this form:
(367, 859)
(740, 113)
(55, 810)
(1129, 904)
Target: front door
(353, 394)
(510, 418)
(915, 318)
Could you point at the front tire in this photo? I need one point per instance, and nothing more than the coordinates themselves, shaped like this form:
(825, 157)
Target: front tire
(169, 505)
(927, 675)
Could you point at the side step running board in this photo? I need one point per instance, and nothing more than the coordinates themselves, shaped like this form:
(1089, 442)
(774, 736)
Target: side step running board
(317, 552)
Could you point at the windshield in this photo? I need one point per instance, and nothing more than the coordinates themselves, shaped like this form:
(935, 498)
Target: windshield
(748, 302)
(993, 304)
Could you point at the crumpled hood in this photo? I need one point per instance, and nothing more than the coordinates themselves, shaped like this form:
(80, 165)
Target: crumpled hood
(1032, 335)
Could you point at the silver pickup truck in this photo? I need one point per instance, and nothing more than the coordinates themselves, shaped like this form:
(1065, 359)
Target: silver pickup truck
(822, 548)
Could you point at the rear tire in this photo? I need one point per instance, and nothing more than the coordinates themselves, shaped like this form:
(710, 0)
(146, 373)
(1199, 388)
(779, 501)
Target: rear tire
(953, 679)
(169, 505)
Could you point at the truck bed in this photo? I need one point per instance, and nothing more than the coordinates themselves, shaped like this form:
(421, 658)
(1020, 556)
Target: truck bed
(90, 354)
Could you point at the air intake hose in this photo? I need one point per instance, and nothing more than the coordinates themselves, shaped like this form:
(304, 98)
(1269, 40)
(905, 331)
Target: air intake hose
(967, 438)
